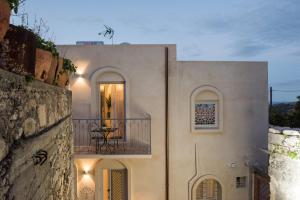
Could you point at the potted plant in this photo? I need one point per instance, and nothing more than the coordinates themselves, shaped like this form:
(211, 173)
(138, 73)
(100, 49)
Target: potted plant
(53, 68)
(5, 10)
(108, 104)
(18, 50)
(4, 17)
(64, 70)
(46, 55)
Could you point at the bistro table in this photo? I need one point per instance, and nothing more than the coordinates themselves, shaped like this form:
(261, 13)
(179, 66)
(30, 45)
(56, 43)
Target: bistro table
(104, 134)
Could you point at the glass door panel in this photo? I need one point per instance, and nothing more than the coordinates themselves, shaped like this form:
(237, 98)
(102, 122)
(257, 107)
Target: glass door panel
(112, 106)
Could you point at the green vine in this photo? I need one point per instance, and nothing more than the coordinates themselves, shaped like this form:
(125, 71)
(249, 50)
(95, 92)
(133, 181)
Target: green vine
(292, 154)
(46, 45)
(29, 78)
(42, 43)
(69, 67)
(14, 5)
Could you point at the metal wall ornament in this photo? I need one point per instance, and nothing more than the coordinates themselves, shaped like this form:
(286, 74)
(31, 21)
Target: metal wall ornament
(108, 33)
(40, 157)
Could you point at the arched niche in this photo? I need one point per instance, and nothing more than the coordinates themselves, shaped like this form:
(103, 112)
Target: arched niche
(206, 112)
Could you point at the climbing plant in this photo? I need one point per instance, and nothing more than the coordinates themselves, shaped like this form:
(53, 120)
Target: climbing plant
(14, 4)
(69, 66)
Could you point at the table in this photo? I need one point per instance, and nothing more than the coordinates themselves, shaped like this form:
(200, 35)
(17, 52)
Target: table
(105, 132)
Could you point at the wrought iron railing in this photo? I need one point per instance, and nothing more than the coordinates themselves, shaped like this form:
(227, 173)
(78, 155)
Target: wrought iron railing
(112, 136)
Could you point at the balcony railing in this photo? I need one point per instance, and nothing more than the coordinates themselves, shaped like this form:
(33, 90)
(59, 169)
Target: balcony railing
(112, 136)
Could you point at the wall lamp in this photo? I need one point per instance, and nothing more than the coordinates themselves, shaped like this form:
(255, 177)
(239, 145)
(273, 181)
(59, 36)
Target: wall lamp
(76, 75)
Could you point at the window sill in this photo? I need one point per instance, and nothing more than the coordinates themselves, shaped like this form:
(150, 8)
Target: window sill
(216, 130)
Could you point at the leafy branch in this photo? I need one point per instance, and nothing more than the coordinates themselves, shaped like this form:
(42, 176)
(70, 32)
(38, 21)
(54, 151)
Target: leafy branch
(46, 45)
(14, 4)
(68, 66)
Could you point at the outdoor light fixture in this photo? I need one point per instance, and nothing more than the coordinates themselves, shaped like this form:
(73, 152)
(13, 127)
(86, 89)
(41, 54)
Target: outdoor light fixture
(85, 172)
(78, 75)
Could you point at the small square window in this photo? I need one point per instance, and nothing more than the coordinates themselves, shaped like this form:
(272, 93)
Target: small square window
(241, 182)
(206, 115)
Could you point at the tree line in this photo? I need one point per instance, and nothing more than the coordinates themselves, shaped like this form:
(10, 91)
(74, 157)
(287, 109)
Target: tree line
(285, 114)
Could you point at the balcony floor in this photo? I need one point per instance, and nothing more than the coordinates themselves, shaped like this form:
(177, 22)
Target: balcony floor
(127, 149)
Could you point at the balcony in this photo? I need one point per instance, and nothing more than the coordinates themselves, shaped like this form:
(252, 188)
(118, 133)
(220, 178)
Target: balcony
(105, 137)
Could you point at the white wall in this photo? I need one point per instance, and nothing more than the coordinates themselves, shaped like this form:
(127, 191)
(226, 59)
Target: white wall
(143, 67)
(245, 117)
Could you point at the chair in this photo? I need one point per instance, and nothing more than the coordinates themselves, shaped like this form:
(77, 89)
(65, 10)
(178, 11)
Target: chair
(119, 135)
(94, 135)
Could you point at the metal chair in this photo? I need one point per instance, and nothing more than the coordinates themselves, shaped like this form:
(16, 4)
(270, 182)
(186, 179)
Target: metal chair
(93, 134)
(119, 135)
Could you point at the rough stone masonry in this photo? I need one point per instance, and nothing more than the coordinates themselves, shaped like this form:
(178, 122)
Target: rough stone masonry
(35, 140)
(284, 163)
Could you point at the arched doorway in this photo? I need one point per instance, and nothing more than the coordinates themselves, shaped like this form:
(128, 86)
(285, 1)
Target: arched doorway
(110, 102)
(207, 189)
(112, 180)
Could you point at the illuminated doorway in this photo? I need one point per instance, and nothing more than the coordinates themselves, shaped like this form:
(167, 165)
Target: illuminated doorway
(112, 106)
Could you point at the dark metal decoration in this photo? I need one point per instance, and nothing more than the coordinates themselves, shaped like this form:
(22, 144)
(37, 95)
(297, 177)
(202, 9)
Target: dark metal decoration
(108, 33)
(40, 157)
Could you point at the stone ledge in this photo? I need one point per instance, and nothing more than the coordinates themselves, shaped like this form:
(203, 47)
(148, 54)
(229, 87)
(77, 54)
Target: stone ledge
(284, 131)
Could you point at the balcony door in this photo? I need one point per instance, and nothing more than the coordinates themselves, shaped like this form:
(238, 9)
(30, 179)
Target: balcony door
(112, 105)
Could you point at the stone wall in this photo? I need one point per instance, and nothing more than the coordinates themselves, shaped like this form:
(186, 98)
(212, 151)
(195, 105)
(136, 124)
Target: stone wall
(35, 140)
(284, 163)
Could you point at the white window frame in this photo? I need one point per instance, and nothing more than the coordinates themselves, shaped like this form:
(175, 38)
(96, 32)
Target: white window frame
(219, 110)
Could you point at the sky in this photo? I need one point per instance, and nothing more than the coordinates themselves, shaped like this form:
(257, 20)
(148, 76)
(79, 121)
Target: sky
(256, 30)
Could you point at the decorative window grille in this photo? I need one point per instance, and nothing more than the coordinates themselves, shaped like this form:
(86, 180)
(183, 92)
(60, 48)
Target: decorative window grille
(241, 182)
(206, 115)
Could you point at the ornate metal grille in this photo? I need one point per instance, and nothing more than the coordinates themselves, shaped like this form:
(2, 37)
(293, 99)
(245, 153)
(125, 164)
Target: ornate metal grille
(119, 184)
(205, 114)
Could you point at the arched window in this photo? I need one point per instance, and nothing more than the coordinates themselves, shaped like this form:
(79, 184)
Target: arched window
(108, 86)
(208, 189)
(206, 110)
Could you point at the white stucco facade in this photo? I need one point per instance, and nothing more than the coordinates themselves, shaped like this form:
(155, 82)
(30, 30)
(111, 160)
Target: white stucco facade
(221, 152)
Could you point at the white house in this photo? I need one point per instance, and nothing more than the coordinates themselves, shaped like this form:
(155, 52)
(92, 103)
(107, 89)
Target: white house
(147, 126)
